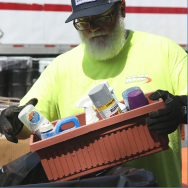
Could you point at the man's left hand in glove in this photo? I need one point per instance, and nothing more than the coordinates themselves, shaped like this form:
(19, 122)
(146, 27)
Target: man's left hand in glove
(167, 120)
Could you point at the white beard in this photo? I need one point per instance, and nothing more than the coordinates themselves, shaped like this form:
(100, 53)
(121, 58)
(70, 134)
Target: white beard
(107, 44)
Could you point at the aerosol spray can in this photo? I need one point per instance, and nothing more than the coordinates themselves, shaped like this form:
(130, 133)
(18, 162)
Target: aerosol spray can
(104, 101)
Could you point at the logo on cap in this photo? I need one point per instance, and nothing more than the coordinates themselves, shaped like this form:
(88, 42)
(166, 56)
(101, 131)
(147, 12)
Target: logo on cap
(79, 2)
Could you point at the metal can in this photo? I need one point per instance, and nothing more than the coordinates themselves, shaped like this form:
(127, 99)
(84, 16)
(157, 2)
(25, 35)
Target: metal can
(104, 101)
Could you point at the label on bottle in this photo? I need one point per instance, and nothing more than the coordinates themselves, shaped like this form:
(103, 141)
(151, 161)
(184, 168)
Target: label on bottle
(110, 109)
(34, 117)
(36, 120)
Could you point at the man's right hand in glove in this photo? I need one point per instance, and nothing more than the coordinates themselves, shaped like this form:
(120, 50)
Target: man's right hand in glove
(10, 125)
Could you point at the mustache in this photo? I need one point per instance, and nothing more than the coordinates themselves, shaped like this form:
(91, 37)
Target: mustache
(97, 34)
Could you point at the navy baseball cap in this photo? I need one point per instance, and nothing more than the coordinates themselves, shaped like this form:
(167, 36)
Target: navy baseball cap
(84, 8)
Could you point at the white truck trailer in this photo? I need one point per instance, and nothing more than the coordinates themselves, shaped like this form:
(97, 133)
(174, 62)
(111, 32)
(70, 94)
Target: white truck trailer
(37, 27)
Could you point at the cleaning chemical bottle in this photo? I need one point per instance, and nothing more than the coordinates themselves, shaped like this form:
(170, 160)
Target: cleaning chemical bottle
(47, 131)
(73, 119)
(90, 113)
(111, 89)
(32, 119)
(104, 101)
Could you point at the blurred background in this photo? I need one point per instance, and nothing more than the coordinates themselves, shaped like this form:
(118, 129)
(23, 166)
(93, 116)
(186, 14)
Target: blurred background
(33, 33)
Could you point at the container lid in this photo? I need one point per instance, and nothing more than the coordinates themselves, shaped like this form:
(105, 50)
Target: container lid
(137, 99)
(100, 95)
(46, 128)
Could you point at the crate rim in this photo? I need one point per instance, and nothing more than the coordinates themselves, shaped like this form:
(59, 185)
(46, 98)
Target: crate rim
(41, 144)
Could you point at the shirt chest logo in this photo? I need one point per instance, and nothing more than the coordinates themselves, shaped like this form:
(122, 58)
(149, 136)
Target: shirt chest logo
(138, 78)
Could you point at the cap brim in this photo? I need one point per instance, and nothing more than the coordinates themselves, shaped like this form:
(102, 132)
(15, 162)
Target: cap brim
(90, 12)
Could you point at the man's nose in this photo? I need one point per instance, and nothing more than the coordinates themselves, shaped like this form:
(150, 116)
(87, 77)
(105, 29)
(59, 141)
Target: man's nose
(94, 27)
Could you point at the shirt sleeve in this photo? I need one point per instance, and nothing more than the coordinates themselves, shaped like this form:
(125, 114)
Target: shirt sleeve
(45, 91)
(177, 60)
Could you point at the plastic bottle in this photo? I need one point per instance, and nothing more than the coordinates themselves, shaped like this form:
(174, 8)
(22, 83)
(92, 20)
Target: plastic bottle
(73, 119)
(32, 119)
(90, 113)
(125, 95)
(104, 101)
(47, 131)
(136, 99)
(111, 89)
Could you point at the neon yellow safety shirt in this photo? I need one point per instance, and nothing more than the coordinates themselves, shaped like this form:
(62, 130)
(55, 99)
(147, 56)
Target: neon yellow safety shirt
(149, 61)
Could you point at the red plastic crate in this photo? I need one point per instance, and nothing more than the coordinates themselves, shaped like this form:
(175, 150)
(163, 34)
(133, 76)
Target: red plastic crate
(99, 145)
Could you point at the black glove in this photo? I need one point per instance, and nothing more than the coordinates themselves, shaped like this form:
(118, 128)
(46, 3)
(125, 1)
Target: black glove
(167, 120)
(10, 125)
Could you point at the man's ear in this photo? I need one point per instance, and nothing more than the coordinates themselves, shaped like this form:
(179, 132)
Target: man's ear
(122, 7)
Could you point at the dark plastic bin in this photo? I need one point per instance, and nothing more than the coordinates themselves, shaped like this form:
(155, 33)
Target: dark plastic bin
(3, 77)
(20, 81)
(3, 83)
(35, 63)
(3, 90)
(100, 145)
(18, 90)
(22, 76)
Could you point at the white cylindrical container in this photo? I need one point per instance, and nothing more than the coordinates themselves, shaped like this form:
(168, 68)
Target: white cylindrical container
(46, 131)
(32, 119)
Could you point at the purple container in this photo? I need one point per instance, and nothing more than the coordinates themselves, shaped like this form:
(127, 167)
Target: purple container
(137, 99)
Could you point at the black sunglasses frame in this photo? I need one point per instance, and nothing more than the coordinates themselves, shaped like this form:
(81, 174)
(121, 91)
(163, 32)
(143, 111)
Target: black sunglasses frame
(93, 21)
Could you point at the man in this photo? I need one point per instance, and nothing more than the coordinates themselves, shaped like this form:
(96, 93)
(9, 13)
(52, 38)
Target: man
(126, 58)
